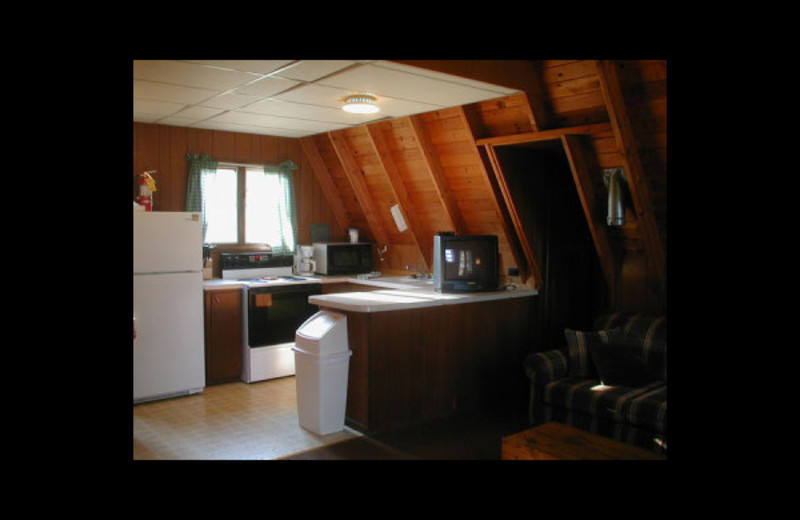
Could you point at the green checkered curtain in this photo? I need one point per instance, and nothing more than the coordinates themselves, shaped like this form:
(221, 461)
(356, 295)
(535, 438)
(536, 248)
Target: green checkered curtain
(199, 165)
(281, 221)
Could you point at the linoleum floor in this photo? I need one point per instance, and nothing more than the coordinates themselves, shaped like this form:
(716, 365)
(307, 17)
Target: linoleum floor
(234, 421)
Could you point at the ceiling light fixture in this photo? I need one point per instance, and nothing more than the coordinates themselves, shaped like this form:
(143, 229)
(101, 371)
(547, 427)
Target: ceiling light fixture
(360, 104)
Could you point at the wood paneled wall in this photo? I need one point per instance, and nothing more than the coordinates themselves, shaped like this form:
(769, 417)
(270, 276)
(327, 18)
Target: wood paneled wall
(439, 166)
(164, 148)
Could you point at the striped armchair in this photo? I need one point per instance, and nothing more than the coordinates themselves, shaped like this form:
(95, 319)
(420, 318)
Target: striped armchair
(611, 381)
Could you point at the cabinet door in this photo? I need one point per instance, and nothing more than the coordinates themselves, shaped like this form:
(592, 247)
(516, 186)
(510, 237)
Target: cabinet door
(223, 336)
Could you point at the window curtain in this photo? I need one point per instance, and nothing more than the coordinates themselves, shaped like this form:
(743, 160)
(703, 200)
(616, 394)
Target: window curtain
(285, 223)
(199, 165)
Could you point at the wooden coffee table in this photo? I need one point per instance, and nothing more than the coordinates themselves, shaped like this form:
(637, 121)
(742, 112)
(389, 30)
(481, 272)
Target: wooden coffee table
(556, 441)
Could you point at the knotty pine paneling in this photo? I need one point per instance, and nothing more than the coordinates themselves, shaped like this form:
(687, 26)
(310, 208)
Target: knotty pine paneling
(355, 215)
(574, 92)
(467, 180)
(164, 148)
(504, 116)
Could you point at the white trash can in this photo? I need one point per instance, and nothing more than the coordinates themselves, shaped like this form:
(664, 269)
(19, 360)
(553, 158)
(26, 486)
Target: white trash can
(322, 362)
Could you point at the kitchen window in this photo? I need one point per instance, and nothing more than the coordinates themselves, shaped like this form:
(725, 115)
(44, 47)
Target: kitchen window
(244, 204)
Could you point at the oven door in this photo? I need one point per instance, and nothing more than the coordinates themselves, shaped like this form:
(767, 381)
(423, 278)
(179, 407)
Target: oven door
(275, 313)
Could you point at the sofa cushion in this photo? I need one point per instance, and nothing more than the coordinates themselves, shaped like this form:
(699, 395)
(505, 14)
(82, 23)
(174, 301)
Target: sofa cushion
(580, 357)
(648, 409)
(643, 406)
(620, 364)
(649, 333)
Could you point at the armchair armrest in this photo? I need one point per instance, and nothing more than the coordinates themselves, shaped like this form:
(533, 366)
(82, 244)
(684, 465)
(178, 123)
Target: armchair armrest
(543, 367)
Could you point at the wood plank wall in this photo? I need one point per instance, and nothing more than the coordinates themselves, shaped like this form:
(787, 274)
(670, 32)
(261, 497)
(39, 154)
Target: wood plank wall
(164, 148)
(435, 167)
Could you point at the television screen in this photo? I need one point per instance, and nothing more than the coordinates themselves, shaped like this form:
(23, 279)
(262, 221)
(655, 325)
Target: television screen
(465, 263)
(465, 260)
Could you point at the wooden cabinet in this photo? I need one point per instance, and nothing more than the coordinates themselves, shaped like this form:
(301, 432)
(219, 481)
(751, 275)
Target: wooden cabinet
(417, 365)
(223, 332)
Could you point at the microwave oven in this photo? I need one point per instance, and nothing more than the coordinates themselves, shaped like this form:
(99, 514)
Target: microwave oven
(334, 258)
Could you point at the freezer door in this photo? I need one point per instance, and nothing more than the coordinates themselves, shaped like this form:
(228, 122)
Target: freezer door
(168, 351)
(165, 241)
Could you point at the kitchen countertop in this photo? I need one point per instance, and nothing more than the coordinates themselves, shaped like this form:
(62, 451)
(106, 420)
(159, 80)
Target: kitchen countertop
(229, 283)
(406, 293)
(218, 283)
(394, 293)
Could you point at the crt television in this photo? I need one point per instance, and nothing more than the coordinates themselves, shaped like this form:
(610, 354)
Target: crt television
(465, 263)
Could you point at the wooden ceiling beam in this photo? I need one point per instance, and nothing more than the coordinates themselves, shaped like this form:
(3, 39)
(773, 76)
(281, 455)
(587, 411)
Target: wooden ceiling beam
(326, 183)
(509, 218)
(501, 200)
(632, 164)
(545, 135)
(356, 178)
(423, 242)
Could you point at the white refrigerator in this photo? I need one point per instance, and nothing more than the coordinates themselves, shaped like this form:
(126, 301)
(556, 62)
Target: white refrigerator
(168, 347)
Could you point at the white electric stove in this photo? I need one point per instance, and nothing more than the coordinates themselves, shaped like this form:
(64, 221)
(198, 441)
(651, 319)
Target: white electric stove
(275, 304)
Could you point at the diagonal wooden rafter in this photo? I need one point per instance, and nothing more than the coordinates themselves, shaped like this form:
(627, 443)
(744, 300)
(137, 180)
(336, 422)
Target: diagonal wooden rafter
(629, 150)
(423, 242)
(325, 181)
(356, 177)
(501, 199)
(512, 225)
(434, 168)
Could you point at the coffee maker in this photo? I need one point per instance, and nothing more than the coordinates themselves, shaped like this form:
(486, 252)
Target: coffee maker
(304, 260)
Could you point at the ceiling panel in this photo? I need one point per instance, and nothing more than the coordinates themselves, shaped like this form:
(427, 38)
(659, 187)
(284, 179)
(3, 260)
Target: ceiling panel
(291, 98)
(261, 67)
(312, 70)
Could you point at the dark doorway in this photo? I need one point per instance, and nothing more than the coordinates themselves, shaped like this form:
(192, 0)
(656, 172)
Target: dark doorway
(543, 191)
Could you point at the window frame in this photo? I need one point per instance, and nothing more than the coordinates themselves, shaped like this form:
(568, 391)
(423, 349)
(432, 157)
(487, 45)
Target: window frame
(241, 206)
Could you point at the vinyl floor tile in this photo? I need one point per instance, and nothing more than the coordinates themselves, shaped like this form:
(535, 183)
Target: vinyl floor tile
(235, 421)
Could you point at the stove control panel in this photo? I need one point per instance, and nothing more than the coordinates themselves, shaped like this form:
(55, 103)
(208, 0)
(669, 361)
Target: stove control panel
(254, 260)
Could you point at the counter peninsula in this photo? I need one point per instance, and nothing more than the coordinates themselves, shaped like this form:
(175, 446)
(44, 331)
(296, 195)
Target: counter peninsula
(418, 355)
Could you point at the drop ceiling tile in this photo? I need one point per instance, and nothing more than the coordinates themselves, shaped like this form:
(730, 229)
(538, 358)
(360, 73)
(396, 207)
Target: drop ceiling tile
(291, 98)
(230, 101)
(255, 66)
(190, 74)
(441, 76)
(176, 121)
(170, 93)
(305, 111)
(233, 127)
(247, 118)
(197, 113)
(156, 108)
(282, 131)
(140, 117)
(403, 85)
(401, 107)
(312, 70)
(266, 87)
(315, 94)
(239, 118)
